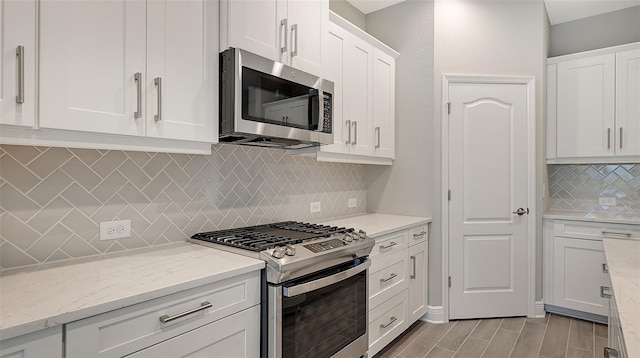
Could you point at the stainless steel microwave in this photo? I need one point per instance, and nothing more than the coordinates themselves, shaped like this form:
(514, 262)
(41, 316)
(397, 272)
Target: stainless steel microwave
(266, 103)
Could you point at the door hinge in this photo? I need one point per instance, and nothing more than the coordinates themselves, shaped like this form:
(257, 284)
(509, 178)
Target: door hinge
(449, 195)
(448, 107)
(449, 281)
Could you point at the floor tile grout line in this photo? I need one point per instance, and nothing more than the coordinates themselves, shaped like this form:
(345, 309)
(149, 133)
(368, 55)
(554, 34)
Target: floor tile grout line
(492, 337)
(409, 342)
(519, 334)
(465, 340)
(436, 344)
(566, 349)
(546, 326)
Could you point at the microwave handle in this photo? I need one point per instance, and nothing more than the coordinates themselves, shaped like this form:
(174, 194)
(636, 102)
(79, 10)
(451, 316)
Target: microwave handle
(325, 281)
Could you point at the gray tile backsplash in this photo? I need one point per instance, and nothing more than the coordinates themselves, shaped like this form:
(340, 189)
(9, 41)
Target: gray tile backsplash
(578, 187)
(53, 199)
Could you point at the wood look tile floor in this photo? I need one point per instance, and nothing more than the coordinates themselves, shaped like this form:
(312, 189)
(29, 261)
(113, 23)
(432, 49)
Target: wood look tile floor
(553, 336)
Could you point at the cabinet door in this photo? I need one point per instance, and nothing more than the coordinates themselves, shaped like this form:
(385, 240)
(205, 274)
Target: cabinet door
(237, 335)
(417, 281)
(182, 63)
(384, 91)
(628, 103)
(308, 21)
(254, 26)
(89, 54)
(578, 275)
(45, 343)
(17, 72)
(357, 95)
(585, 107)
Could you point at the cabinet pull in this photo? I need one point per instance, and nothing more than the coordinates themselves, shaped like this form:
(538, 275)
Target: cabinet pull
(385, 325)
(391, 277)
(605, 268)
(604, 290)
(20, 63)
(348, 123)
(203, 306)
(355, 132)
(283, 28)
(158, 83)
(616, 235)
(608, 138)
(620, 138)
(413, 267)
(138, 78)
(393, 243)
(294, 28)
(610, 353)
(377, 129)
(419, 234)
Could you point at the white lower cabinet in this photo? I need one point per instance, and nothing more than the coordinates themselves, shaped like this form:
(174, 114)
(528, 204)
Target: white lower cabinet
(615, 346)
(397, 285)
(45, 343)
(221, 316)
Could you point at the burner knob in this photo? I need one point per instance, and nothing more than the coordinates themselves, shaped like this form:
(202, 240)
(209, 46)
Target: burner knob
(278, 252)
(348, 238)
(290, 250)
(362, 234)
(355, 235)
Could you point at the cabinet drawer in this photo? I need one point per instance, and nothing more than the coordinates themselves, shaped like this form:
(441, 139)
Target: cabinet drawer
(418, 234)
(594, 231)
(389, 244)
(44, 343)
(387, 277)
(127, 330)
(387, 321)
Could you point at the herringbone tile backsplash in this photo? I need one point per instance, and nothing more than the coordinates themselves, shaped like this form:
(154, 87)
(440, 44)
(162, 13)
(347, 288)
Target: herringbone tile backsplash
(578, 187)
(53, 199)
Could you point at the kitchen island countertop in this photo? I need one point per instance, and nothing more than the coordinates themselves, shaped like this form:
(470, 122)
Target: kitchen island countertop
(43, 296)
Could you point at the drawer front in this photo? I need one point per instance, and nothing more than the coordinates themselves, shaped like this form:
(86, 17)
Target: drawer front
(594, 231)
(44, 343)
(418, 234)
(389, 244)
(387, 277)
(127, 330)
(387, 321)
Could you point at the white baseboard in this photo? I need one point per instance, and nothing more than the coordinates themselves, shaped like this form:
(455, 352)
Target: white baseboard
(435, 314)
(539, 309)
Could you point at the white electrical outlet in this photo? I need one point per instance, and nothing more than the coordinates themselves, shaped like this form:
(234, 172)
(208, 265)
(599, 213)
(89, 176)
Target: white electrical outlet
(353, 202)
(607, 201)
(111, 230)
(314, 207)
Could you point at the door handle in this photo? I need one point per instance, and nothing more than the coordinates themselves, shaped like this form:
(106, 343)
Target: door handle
(413, 266)
(138, 78)
(158, 83)
(377, 130)
(294, 28)
(355, 132)
(348, 123)
(20, 63)
(283, 28)
(521, 211)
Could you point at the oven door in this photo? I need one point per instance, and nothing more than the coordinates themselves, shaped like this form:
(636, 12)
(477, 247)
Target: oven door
(321, 315)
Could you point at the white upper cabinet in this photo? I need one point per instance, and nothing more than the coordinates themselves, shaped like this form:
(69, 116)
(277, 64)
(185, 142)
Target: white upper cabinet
(18, 62)
(593, 110)
(292, 32)
(335, 71)
(384, 85)
(628, 102)
(357, 96)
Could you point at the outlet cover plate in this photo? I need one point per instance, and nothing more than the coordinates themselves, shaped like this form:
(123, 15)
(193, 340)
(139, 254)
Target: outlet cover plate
(111, 230)
(353, 202)
(314, 207)
(607, 201)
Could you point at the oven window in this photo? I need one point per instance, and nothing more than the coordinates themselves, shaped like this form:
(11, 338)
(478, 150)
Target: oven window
(322, 322)
(274, 100)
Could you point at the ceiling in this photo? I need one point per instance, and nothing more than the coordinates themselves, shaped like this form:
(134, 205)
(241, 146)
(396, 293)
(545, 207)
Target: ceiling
(559, 10)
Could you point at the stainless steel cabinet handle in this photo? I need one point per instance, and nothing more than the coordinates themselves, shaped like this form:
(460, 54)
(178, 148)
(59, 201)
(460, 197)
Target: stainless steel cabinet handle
(138, 78)
(20, 63)
(616, 235)
(393, 243)
(348, 123)
(413, 267)
(355, 132)
(158, 83)
(610, 353)
(608, 138)
(391, 277)
(294, 28)
(620, 138)
(604, 291)
(203, 306)
(605, 268)
(283, 28)
(419, 234)
(385, 325)
(377, 130)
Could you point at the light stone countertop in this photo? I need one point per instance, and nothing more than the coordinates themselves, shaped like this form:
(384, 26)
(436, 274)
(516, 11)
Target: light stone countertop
(49, 295)
(376, 225)
(623, 259)
(620, 218)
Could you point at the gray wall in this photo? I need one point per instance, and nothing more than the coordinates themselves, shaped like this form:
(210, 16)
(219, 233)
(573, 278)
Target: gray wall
(610, 29)
(349, 12)
(488, 37)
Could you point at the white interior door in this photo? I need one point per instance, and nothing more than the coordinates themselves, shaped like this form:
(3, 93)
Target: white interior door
(488, 259)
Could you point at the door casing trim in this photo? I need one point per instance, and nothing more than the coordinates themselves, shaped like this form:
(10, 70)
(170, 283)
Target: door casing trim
(530, 83)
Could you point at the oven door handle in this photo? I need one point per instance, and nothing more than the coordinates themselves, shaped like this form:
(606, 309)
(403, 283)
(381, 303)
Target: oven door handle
(325, 281)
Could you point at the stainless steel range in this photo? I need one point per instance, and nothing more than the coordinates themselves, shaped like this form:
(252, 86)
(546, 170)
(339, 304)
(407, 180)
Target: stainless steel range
(316, 285)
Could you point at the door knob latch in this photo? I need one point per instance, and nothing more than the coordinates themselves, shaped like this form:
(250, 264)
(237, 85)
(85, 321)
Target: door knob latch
(521, 211)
